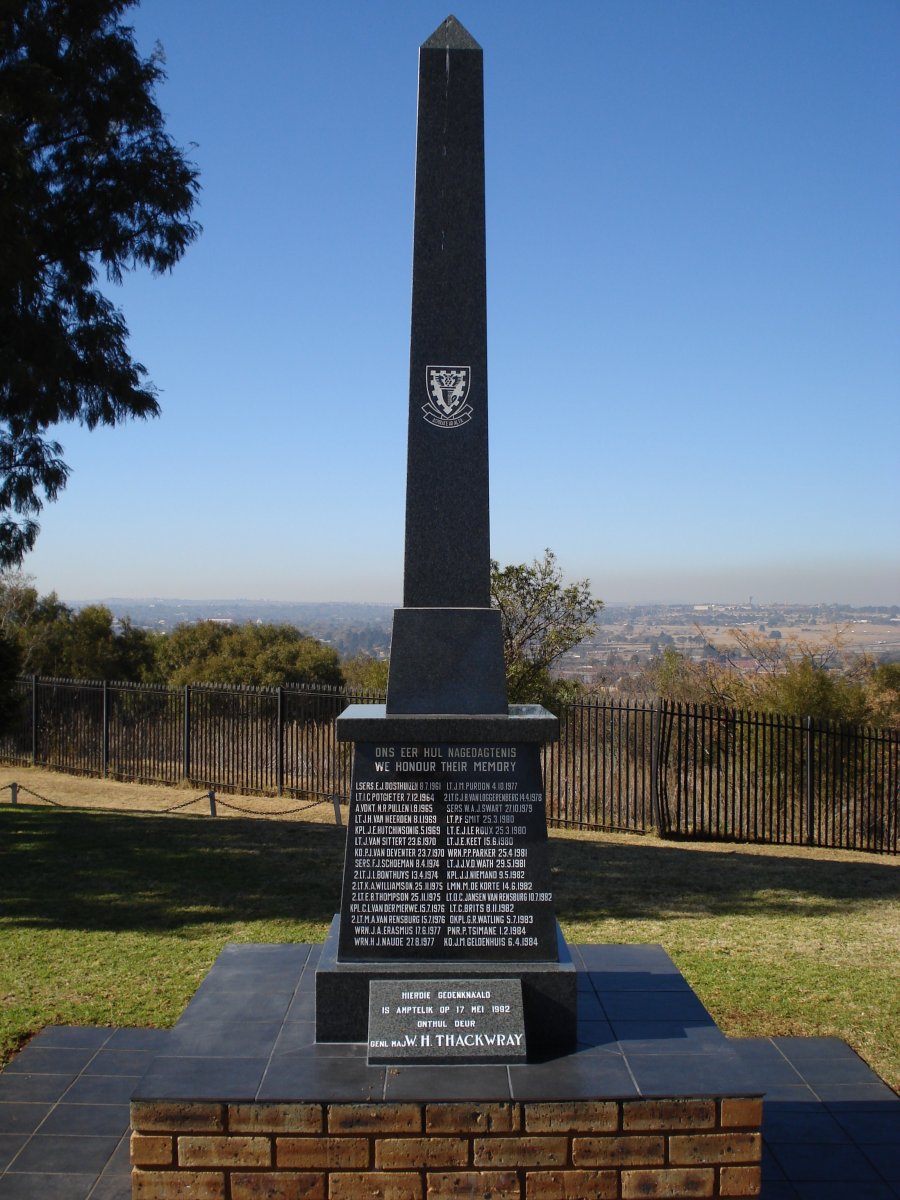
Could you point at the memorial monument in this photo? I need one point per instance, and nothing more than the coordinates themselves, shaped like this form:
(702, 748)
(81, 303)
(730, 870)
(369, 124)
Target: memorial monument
(300, 1071)
(447, 870)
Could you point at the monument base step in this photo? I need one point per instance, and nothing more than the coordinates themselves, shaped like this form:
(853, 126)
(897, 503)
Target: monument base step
(549, 992)
(246, 1103)
(409, 1151)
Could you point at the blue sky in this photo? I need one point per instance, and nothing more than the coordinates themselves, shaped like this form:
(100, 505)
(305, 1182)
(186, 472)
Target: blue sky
(693, 301)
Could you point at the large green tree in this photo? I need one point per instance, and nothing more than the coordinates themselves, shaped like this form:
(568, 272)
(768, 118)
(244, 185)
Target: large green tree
(90, 184)
(253, 655)
(542, 619)
(52, 639)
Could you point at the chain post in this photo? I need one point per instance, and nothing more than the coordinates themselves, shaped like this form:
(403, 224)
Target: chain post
(14, 794)
(212, 802)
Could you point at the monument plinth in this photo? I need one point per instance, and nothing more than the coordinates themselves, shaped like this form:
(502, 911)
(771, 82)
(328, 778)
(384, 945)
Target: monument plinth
(447, 867)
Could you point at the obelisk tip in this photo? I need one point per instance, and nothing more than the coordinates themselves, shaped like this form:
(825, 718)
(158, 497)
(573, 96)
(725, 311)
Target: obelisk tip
(451, 35)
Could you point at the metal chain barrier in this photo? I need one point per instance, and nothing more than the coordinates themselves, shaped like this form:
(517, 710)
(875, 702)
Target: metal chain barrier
(281, 812)
(176, 807)
(16, 788)
(215, 801)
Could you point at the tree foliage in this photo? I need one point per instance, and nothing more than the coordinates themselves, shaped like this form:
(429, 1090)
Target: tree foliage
(366, 671)
(788, 677)
(245, 655)
(52, 639)
(49, 638)
(10, 666)
(542, 619)
(883, 693)
(91, 182)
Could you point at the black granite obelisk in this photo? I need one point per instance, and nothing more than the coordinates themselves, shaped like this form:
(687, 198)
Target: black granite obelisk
(447, 869)
(447, 648)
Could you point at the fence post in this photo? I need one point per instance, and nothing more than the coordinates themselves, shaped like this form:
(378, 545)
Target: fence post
(654, 768)
(810, 799)
(186, 734)
(279, 745)
(34, 721)
(336, 801)
(14, 794)
(212, 802)
(104, 737)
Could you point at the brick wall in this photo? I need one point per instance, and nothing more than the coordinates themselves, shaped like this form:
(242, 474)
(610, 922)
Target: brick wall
(493, 1151)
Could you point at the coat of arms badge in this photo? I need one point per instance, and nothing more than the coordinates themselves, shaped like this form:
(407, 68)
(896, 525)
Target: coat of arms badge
(448, 393)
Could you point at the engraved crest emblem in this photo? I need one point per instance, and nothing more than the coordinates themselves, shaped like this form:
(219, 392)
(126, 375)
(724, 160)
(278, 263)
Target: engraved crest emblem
(448, 393)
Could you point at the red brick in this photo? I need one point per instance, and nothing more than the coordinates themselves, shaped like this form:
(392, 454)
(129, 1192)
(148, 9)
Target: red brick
(374, 1185)
(374, 1118)
(703, 1148)
(571, 1185)
(275, 1118)
(151, 1150)
(177, 1185)
(675, 1183)
(326, 1153)
(224, 1152)
(467, 1185)
(618, 1151)
(283, 1185)
(472, 1118)
(593, 1116)
(742, 1113)
(171, 1117)
(740, 1181)
(415, 1153)
(668, 1114)
(520, 1152)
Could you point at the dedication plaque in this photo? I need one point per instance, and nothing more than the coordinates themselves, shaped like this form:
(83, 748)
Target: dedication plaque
(446, 1021)
(447, 855)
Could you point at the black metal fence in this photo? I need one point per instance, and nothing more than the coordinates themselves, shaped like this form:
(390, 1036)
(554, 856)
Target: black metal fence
(251, 740)
(686, 770)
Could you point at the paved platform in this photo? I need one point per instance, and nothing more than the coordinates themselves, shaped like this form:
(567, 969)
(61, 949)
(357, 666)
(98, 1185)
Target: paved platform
(831, 1127)
(249, 1034)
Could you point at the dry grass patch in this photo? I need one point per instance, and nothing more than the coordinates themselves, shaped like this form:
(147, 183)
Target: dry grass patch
(82, 791)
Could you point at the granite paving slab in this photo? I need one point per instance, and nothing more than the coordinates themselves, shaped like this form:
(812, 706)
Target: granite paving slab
(64, 1116)
(831, 1127)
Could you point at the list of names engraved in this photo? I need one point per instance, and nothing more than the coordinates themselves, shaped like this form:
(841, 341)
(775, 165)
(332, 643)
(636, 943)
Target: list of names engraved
(447, 855)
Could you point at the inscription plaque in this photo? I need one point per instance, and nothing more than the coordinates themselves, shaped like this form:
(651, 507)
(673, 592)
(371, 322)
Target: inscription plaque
(446, 1020)
(447, 855)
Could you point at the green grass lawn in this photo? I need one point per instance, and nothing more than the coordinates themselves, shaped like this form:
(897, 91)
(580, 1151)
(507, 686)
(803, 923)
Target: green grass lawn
(114, 918)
